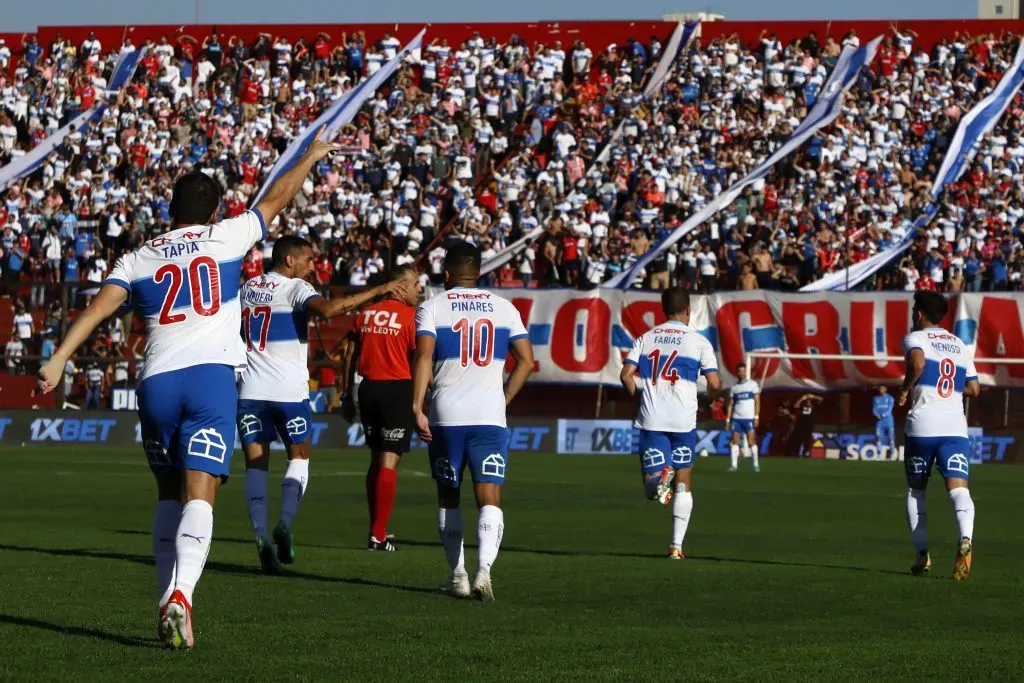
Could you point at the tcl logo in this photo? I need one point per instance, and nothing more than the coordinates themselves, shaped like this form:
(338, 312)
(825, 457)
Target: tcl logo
(381, 319)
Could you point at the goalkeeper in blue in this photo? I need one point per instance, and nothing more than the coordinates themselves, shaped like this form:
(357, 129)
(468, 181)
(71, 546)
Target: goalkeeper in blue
(885, 430)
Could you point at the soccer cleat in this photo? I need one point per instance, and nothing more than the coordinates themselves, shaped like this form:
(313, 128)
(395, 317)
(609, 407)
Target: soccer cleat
(176, 623)
(482, 589)
(383, 546)
(283, 539)
(458, 587)
(757, 468)
(675, 553)
(732, 469)
(923, 564)
(268, 557)
(664, 492)
(962, 565)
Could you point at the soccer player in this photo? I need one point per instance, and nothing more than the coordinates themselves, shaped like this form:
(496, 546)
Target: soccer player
(885, 430)
(462, 339)
(741, 418)
(940, 372)
(383, 338)
(185, 285)
(663, 367)
(273, 391)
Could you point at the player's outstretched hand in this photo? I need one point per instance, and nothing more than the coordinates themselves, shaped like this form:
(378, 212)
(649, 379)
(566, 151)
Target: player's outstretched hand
(404, 288)
(50, 375)
(320, 148)
(423, 426)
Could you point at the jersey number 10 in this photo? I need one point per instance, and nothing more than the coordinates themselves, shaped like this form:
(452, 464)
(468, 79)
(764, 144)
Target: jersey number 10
(195, 272)
(476, 342)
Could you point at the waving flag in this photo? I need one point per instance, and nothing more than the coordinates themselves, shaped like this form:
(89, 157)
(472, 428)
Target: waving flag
(826, 109)
(973, 127)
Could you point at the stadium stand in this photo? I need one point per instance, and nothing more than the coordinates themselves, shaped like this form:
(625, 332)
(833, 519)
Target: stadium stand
(495, 130)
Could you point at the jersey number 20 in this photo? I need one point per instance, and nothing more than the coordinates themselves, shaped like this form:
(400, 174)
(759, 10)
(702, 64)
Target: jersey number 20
(195, 272)
(476, 341)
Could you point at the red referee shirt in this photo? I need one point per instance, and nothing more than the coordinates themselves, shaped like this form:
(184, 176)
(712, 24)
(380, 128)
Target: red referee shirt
(387, 334)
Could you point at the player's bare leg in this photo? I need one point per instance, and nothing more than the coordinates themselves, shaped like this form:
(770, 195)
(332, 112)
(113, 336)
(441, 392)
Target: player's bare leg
(449, 528)
(383, 500)
(734, 452)
(490, 526)
(257, 464)
(192, 547)
(165, 529)
(682, 508)
(293, 488)
(963, 508)
(917, 522)
(750, 450)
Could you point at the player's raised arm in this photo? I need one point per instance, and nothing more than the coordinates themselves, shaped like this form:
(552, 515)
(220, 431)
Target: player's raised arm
(106, 304)
(288, 185)
(330, 308)
(522, 351)
(629, 366)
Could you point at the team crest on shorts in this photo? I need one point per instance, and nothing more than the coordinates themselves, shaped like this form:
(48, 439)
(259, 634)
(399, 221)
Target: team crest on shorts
(653, 458)
(208, 443)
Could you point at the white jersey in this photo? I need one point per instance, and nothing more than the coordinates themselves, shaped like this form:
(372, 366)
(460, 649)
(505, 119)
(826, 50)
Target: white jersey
(936, 400)
(276, 329)
(185, 285)
(742, 395)
(474, 330)
(669, 359)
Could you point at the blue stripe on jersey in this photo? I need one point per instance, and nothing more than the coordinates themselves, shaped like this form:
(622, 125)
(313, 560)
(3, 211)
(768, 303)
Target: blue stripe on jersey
(686, 368)
(449, 344)
(263, 223)
(148, 294)
(743, 396)
(930, 376)
(286, 326)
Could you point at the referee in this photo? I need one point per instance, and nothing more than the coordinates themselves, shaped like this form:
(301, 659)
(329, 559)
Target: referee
(384, 335)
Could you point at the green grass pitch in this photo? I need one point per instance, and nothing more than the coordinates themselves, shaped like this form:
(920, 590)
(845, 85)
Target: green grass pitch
(797, 573)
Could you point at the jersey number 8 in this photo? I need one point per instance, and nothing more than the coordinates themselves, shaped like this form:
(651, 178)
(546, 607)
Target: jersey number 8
(176, 275)
(476, 343)
(947, 378)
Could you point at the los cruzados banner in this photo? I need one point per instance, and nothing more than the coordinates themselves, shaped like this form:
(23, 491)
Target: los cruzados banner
(26, 165)
(825, 110)
(972, 129)
(339, 114)
(582, 337)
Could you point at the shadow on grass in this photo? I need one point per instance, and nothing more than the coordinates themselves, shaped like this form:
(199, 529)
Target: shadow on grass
(219, 567)
(27, 622)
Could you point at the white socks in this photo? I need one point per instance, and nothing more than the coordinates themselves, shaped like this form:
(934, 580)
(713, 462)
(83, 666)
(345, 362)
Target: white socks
(449, 528)
(293, 488)
(682, 506)
(192, 545)
(489, 527)
(734, 455)
(963, 508)
(753, 454)
(256, 498)
(917, 517)
(165, 528)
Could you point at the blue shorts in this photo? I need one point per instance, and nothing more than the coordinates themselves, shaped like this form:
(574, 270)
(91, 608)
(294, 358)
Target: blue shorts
(265, 421)
(658, 449)
(741, 426)
(949, 453)
(483, 447)
(187, 419)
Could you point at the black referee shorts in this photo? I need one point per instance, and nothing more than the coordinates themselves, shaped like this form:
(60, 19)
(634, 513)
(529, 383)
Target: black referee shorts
(385, 408)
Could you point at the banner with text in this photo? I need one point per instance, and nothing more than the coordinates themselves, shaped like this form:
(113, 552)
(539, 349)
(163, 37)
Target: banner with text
(582, 337)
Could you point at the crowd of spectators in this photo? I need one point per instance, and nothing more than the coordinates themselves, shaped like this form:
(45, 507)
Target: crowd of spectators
(487, 141)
